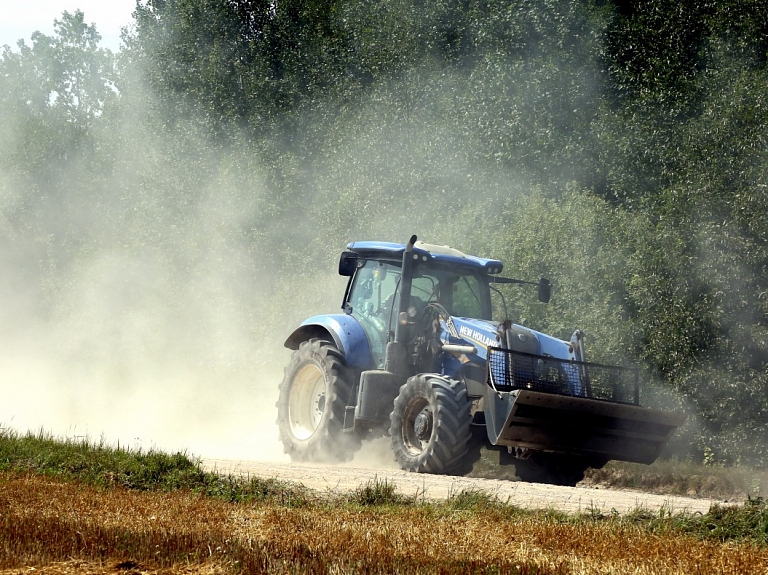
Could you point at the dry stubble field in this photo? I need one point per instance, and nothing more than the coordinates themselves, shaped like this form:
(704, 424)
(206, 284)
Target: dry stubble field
(52, 527)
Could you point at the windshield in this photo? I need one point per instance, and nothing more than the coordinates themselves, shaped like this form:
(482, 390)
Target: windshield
(374, 297)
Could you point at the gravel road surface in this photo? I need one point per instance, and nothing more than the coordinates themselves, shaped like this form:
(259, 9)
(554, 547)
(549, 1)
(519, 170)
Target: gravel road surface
(347, 478)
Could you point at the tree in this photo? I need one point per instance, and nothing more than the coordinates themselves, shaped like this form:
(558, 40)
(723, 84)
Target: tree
(66, 72)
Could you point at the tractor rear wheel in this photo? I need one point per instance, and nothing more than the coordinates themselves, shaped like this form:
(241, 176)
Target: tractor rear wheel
(430, 425)
(312, 402)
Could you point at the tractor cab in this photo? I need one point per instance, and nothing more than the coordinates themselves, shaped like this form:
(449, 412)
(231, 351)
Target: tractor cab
(441, 278)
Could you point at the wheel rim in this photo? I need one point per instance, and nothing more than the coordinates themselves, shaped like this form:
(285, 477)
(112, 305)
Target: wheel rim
(306, 403)
(417, 426)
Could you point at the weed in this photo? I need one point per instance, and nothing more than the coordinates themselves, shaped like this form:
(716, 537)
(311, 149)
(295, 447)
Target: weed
(378, 492)
(474, 500)
(748, 522)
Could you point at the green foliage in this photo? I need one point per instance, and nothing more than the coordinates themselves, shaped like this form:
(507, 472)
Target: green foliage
(67, 74)
(729, 523)
(477, 501)
(93, 463)
(656, 47)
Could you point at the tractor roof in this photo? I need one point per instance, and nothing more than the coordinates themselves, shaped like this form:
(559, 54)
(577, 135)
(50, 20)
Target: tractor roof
(425, 252)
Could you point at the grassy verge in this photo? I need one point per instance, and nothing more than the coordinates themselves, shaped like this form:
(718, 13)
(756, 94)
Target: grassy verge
(99, 464)
(102, 465)
(64, 500)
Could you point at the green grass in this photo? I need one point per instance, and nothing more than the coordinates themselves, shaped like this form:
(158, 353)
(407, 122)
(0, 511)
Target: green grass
(378, 493)
(738, 523)
(102, 465)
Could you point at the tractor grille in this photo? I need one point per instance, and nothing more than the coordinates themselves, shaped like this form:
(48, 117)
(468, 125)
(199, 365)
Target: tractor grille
(508, 370)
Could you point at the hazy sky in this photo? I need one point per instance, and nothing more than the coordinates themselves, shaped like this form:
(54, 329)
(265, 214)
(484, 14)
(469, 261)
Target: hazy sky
(19, 19)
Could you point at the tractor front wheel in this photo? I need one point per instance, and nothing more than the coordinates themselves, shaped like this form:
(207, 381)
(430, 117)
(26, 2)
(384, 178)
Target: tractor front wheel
(430, 425)
(312, 402)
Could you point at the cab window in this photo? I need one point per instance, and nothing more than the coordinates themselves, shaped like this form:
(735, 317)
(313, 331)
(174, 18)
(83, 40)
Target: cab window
(371, 299)
(468, 297)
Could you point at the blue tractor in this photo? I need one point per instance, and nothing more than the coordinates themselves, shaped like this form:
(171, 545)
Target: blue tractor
(417, 356)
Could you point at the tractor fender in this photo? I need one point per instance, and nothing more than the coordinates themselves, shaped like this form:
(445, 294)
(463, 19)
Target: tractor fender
(344, 330)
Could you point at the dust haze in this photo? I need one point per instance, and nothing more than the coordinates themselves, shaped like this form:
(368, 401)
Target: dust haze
(140, 330)
(144, 306)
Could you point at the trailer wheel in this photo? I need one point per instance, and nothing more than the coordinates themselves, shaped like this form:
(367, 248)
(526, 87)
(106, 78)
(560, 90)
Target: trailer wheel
(312, 402)
(430, 425)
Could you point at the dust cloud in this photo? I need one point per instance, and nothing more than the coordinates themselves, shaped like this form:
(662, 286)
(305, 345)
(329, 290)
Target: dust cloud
(141, 306)
(172, 413)
(130, 350)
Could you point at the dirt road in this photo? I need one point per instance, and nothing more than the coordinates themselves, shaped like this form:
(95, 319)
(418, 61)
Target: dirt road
(529, 495)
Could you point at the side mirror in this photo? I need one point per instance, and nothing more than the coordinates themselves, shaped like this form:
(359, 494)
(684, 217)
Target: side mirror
(545, 290)
(348, 263)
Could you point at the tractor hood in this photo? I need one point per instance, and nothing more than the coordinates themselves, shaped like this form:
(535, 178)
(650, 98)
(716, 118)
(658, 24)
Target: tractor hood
(483, 334)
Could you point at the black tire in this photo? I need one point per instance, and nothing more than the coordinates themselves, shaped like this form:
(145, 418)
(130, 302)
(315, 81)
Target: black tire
(551, 468)
(430, 425)
(311, 405)
(478, 438)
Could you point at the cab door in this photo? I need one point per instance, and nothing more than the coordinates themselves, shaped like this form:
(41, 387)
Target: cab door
(371, 302)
